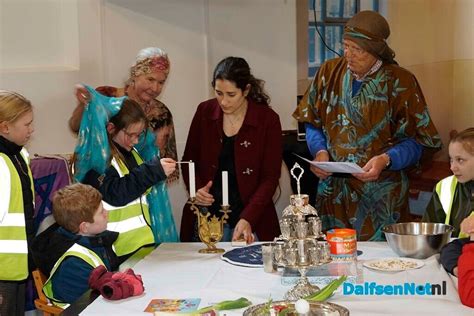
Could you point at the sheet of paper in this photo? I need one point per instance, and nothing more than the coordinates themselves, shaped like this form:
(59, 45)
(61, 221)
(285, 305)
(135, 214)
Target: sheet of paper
(331, 166)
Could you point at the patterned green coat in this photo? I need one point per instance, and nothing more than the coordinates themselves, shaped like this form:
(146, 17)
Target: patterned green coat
(388, 108)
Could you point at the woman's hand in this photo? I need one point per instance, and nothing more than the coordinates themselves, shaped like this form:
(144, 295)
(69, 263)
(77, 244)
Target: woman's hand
(169, 165)
(82, 95)
(203, 197)
(373, 168)
(321, 155)
(243, 229)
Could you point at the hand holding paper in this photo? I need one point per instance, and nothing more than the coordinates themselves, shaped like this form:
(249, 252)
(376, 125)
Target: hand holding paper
(321, 156)
(331, 166)
(373, 168)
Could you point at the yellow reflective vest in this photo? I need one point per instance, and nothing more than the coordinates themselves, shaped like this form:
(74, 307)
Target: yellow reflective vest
(13, 243)
(76, 250)
(131, 221)
(446, 190)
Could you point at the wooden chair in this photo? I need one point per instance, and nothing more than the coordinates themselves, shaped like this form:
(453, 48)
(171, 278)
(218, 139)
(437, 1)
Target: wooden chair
(42, 303)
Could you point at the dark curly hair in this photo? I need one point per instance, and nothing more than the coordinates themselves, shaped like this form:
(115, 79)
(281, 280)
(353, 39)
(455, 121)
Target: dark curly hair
(237, 70)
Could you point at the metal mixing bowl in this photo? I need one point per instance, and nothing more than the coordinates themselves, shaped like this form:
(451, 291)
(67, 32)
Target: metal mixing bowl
(417, 240)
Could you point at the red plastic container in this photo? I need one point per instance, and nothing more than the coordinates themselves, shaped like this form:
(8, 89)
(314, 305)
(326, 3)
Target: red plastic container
(342, 243)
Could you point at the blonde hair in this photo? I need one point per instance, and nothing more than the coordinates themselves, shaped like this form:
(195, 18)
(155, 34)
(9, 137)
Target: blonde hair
(12, 106)
(74, 204)
(466, 138)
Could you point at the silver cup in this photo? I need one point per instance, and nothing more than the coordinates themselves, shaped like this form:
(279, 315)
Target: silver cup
(315, 226)
(285, 227)
(301, 229)
(291, 256)
(324, 252)
(278, 253)
(267, 257)
(313, 253)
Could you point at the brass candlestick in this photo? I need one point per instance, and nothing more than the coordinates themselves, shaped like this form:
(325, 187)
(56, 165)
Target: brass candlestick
(211, 229)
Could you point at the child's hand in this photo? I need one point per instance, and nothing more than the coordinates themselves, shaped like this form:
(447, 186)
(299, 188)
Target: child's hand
(467, 225)
(169, 165)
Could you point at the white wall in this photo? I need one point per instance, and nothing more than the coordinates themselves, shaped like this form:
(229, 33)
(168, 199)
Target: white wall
(264, 33)
(95, 42)
(46, 47)
(463, 42)
(442, 58)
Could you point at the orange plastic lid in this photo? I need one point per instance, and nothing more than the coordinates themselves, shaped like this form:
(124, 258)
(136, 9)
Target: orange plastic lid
(341, 232)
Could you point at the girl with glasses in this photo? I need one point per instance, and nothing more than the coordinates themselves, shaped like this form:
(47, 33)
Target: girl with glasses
(126, 182)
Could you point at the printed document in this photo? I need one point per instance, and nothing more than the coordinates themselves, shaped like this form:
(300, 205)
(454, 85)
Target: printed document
(332, 166)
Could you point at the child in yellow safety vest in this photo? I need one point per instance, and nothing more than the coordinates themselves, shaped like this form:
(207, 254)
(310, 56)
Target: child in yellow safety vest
(115, 168)
(16, 201)
(79, 242)
(453, 197)
(453, 203)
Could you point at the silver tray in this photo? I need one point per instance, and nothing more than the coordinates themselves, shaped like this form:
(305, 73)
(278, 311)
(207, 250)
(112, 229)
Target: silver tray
(316, 309)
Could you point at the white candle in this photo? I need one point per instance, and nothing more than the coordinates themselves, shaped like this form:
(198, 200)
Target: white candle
(225, 188)
(192, 180)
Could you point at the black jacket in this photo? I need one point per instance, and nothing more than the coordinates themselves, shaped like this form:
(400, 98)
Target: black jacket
(51, 244)
(451, 252)
(119, 191)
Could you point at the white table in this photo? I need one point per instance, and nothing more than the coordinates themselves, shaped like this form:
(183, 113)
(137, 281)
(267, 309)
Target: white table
(179, 271)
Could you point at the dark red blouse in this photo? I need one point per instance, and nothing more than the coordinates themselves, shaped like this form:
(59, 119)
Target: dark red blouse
(258, 157)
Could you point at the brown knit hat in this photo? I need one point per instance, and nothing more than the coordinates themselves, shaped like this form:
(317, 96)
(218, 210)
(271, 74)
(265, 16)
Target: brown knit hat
(369, 30)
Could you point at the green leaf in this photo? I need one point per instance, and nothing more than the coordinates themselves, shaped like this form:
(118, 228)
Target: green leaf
(226, 305)
(326, 291)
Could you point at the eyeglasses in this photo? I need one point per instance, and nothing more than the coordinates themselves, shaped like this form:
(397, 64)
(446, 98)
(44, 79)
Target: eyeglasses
(134, 135)
(353, 49)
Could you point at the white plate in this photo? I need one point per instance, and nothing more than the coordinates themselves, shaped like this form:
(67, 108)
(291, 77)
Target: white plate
(393, 264)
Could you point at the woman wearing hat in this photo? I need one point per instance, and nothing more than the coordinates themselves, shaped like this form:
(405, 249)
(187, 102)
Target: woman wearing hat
(364, 108)
(147, 78)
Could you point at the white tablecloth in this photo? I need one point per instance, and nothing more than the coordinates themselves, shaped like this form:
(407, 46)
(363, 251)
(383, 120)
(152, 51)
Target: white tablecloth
(179, 271)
